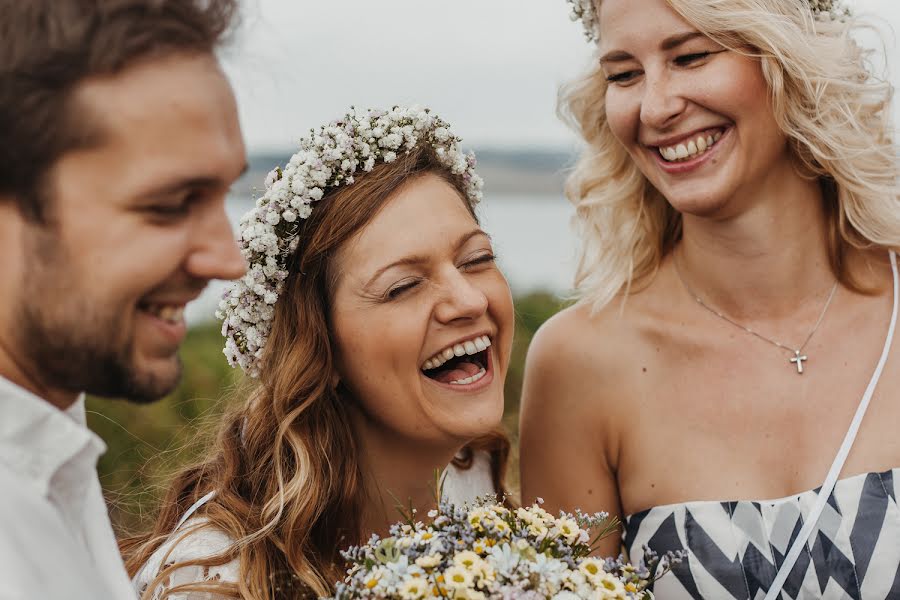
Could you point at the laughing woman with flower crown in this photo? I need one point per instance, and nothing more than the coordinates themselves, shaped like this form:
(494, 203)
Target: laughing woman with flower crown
(739, 210)
(378, 329)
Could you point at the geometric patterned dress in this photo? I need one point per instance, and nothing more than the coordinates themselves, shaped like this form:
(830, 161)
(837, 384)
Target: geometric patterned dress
(735, 548)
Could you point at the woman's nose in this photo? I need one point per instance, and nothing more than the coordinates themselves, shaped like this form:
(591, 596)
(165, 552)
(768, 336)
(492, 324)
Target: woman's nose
(462, 299)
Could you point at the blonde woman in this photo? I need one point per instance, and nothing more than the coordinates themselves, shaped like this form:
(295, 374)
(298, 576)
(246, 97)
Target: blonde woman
(730, 354)
(379, 328)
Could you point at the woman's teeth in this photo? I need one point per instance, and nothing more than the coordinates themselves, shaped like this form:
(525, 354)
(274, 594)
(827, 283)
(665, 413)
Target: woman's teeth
(471, 379)
(695, 147)
(469, 347)
(167, 312)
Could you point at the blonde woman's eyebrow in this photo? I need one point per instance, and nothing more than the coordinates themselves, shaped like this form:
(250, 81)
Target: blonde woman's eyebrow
(670, 43)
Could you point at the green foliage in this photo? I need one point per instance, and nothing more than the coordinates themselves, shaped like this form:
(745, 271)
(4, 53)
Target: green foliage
(148, 443)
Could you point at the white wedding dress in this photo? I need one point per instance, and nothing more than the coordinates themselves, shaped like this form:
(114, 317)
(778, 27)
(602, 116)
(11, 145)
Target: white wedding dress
(459, 487)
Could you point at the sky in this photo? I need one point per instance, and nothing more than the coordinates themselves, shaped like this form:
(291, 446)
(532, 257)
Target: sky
(492, 68)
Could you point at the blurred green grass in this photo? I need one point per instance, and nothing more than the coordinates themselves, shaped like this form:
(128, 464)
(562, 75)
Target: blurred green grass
(146, 444)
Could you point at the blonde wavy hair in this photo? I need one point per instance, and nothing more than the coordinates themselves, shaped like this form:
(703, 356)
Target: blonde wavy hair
(285, 466)
(826, 99)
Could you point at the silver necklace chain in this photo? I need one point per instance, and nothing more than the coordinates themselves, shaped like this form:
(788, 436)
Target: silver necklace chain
(798, 357)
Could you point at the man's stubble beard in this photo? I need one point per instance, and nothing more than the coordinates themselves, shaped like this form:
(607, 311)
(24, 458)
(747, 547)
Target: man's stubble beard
(74, 344)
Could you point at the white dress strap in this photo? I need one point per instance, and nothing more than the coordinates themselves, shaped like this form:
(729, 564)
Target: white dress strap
(193, 509)
(828, 487)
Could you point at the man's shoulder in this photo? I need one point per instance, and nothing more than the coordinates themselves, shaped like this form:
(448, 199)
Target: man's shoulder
(38, 557)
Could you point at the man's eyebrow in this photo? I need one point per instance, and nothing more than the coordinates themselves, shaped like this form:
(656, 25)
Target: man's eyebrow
(190, 183)
(419, 260)
(669, 43)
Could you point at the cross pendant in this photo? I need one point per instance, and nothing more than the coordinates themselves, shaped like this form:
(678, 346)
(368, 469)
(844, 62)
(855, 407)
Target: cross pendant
(798, 358)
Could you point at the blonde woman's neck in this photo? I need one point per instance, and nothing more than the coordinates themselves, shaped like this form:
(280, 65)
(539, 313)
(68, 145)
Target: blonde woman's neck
(767, 257)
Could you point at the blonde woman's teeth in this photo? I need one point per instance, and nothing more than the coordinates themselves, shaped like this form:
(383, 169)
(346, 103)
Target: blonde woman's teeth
(471, 379)
(468, 347)
(689, 150)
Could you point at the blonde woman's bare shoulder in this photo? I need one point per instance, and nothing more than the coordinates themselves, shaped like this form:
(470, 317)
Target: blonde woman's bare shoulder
(587, 343)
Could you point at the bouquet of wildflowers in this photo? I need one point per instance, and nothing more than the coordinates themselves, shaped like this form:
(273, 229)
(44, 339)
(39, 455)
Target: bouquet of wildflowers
(490, 552)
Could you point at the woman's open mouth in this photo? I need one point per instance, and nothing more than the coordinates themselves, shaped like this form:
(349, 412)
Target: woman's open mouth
(461, 364)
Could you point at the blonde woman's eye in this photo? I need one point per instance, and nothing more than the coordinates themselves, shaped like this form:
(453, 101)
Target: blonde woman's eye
(624, 77)
(481, 259)
(686, 60)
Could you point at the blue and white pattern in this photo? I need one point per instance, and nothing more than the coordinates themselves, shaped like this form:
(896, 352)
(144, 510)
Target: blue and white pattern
(735, 548)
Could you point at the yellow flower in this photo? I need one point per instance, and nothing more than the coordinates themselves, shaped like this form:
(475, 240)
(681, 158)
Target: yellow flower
(413, 588)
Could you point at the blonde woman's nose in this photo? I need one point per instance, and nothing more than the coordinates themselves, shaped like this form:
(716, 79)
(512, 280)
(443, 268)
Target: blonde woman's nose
(662, 102)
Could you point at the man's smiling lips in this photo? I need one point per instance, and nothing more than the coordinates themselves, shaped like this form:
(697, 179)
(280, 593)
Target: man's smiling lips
(167, 314)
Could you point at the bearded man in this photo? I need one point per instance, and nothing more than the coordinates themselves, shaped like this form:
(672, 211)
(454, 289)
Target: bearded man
(119, 140)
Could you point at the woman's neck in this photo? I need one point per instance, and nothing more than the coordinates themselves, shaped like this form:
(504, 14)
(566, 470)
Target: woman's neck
(765, 261)
(397, 473)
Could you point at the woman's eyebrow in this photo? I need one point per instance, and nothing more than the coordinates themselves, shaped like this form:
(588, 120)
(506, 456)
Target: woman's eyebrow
(419, 260)
(671, 42)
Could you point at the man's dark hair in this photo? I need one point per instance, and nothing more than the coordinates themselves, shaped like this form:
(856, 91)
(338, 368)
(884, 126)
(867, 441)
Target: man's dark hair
(47, 47)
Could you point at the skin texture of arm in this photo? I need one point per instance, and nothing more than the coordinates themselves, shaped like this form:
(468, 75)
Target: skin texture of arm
(568, 421)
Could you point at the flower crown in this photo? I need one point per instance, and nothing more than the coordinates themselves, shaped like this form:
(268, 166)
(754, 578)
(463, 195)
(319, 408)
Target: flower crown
(583, 10)
(328, 158)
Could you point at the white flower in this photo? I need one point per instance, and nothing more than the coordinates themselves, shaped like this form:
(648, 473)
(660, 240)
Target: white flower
(390, 157)
(504, 558)
(271, 178)
(429, 561)
(457, 577)
(297, 185)
(414, 588)
(316, 193)
(609, 587)
(565, 595)
(289, 216)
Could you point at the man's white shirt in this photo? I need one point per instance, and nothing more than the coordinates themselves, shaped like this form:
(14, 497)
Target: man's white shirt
(56, 540)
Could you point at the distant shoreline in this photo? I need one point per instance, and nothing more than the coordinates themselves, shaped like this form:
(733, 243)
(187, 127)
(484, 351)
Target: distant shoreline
(505, 172)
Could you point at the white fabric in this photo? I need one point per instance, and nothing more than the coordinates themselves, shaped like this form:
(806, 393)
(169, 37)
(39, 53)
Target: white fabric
(459, 487)
(56, 541)
(838, 464)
